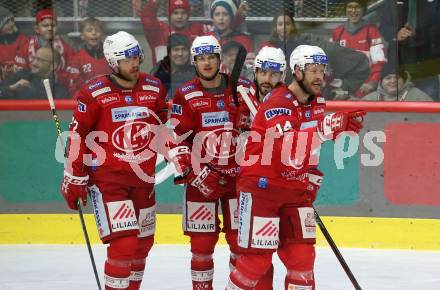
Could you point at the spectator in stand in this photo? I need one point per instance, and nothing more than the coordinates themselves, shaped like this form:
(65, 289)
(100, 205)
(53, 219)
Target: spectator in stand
(223, 14)
(28, 83)
(45, 36)
(412, 30)
(364, 37)
(175, 69)
(157, 32)
(10, 42)
(396, 85)
(348, 69)
(89, 62)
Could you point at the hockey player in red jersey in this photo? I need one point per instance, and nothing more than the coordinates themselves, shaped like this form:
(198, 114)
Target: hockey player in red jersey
(110, 154)
(206, 161)
(89, 62)
(270, 71)
(278, 187)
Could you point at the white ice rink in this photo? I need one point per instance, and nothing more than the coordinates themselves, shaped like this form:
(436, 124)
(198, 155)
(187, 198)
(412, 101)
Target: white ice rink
(53, 267)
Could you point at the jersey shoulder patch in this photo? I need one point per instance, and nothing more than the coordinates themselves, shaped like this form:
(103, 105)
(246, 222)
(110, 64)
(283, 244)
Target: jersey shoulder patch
(244, 81)
(188, 87)
(97, 83)
(320, 100)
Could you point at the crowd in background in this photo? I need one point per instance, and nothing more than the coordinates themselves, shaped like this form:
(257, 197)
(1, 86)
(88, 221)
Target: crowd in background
(395, 57)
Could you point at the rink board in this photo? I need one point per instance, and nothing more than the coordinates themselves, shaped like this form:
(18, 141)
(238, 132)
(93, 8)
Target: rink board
(348, 232)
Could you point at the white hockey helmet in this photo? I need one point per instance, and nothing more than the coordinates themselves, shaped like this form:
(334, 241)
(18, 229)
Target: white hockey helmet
(205, 44)
(307, 54)
(271, 58)
(121, 45)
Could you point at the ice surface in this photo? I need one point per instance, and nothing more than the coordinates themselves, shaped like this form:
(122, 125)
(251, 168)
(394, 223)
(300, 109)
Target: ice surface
(54, 267)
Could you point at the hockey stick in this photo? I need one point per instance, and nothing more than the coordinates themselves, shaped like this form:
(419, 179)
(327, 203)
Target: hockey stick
(49, 94)
(236, 71)
(336, 251)
(319, 221)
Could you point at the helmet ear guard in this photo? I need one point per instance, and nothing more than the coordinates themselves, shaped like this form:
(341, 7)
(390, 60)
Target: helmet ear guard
(121, 45)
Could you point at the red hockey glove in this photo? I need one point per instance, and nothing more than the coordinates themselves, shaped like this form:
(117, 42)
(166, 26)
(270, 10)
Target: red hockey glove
(239, 116)
(74, 188)
(180, 156)
(210, 183)
(336, 123)
(315, 178)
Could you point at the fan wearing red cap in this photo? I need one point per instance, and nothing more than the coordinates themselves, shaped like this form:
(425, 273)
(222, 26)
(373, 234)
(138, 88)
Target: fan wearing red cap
(46, 36)
(157, 32)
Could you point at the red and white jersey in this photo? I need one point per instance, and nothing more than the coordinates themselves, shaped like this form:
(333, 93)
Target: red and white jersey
(280, 114)
(8, 52)
(367, 40)
(122, 119)
(215, 123)
(84, 68)
(27, 52)
(157, 32)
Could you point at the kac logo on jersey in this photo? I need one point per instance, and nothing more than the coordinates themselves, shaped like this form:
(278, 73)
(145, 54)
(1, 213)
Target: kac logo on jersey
(129, 99)
(82, 107)
(269, 114)
(307, 114)
(176, 109)
(220, 104)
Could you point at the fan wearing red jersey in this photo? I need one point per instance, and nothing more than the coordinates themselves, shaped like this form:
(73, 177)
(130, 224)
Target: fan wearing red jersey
(112, 156)
(46, 36)
(206, 161)
(11, 40)
(279, 179)
(364, 37)
(89, 62)
(157, 32)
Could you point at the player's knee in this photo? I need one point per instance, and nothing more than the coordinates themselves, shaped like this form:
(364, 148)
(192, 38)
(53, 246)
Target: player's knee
(203, 244)
(298, 256)
(250, 269)
(138, 262)
(122, 248)
(144, 246)
(120, 254)
(299, 260)
(254, 266)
